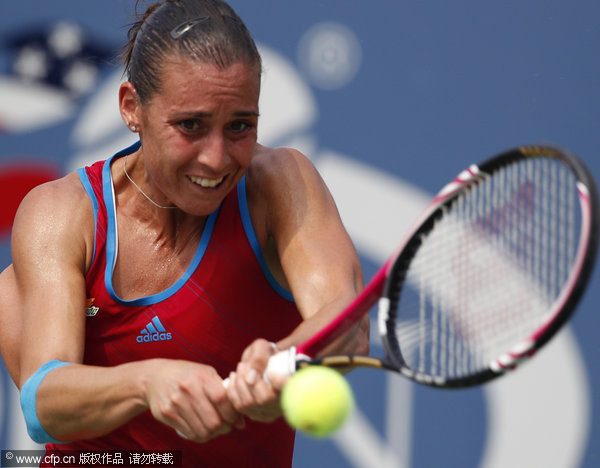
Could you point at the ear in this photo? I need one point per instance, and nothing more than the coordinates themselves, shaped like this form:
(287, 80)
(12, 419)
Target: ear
(129, 105)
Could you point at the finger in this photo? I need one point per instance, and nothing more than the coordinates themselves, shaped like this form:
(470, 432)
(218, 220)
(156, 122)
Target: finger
(239, 392)
(259, 403)
(204, 417)
(264, 393)
(232, 394)
(255, 391)
(184, 425)
(192, 426)
(277, 380)
(206, 424)
(218, 396)
(258, 353)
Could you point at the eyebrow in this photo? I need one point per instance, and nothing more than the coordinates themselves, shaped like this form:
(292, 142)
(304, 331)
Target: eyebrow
(246, 114)
(188, 115)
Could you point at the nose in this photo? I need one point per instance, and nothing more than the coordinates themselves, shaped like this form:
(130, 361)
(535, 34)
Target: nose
(213, 152)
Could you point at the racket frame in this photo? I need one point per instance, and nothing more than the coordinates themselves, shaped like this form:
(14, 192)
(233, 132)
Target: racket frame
(562, 308)
(385, 288)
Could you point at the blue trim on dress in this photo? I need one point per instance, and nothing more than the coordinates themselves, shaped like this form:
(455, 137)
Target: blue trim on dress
(85, 181)
(111, 242)
(251, 236)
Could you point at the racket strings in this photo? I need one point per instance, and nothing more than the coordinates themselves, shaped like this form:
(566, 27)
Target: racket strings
(487, 274)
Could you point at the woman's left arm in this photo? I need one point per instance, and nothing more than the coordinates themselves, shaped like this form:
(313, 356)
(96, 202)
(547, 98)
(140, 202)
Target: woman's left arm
(296, 214)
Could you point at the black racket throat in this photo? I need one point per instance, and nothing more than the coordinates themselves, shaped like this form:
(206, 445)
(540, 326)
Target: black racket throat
(343, 361)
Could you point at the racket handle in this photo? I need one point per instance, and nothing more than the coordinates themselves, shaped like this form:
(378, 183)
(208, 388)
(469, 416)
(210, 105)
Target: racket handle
(283, 363)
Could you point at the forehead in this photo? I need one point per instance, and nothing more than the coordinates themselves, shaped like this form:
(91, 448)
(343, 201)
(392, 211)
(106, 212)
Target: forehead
(194, 83)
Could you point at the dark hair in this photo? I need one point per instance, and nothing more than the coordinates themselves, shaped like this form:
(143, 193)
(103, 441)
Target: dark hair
(205, 30)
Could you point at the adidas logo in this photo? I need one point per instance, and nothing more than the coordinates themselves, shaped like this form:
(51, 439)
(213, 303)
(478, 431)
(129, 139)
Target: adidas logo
(154, 331)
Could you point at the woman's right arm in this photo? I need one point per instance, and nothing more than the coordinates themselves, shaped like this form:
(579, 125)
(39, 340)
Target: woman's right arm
(78, 401)
(10, 323)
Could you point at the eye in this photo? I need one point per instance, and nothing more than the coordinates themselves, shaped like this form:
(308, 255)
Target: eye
(241, 126)
(189, 125)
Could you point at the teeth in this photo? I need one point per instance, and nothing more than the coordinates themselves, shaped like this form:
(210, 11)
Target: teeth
(208, 183)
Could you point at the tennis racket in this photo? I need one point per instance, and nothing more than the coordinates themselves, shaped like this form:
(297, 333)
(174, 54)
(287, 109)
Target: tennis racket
(489, 273)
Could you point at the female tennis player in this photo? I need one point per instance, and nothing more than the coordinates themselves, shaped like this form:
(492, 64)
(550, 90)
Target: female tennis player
(141, 282)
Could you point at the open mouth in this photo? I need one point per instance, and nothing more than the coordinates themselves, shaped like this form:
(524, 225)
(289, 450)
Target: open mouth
(206, 183)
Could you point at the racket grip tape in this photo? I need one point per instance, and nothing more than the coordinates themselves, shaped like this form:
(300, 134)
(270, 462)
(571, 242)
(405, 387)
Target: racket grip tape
(282, 362)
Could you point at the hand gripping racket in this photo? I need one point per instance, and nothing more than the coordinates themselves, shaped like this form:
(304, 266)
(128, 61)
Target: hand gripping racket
(488, 274)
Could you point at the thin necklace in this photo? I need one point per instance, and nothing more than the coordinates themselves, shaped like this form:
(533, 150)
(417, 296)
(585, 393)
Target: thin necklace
(141, 191)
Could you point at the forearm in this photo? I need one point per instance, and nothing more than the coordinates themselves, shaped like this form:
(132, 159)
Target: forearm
(258, 398)
(353, 341)
(77, 401)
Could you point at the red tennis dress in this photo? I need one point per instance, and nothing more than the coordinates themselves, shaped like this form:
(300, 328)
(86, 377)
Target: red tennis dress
(225, 300)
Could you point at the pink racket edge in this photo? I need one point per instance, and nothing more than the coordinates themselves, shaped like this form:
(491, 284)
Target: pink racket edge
(567, 300)
(528, 347)
(369, 296)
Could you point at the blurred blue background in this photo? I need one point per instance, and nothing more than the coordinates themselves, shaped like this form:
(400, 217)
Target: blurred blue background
(390, 99)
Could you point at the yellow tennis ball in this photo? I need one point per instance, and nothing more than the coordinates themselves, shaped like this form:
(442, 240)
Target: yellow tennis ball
(317, 400)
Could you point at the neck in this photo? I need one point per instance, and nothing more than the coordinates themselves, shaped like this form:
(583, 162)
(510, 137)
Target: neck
(141, 191)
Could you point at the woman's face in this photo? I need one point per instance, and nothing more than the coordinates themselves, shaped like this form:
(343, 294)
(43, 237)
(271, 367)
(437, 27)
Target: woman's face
(198, 133)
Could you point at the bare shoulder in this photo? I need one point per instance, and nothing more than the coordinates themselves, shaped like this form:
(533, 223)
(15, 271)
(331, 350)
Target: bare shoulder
(282, 172)
(64, 197)
(56, 210)
(278, 162)
(283, 187)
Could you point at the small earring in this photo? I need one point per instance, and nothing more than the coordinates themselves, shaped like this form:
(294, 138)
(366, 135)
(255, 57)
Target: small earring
(133, 128)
